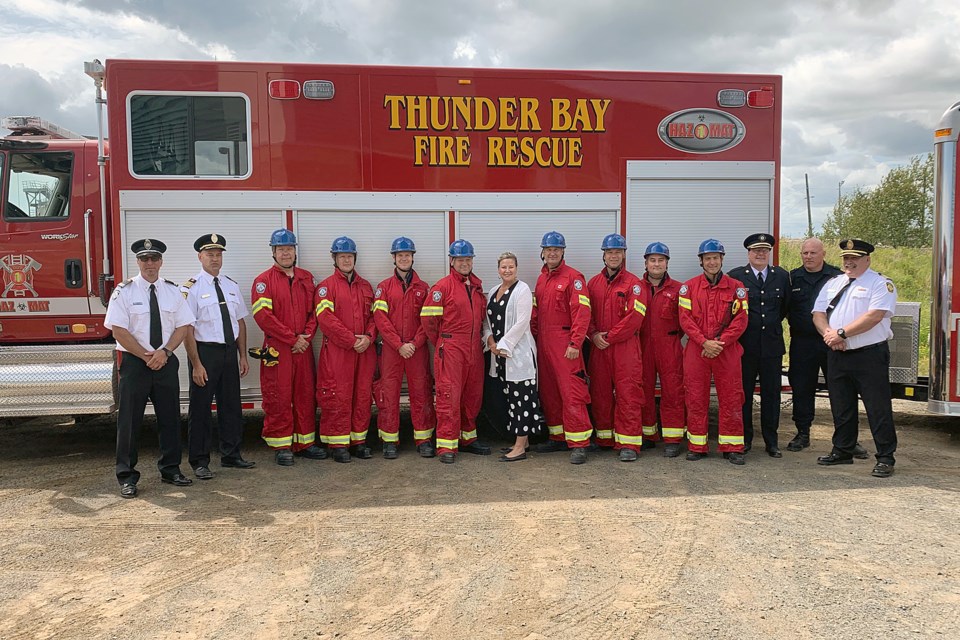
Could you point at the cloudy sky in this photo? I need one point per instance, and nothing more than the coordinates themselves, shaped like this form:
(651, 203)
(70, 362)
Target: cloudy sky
(865, 81)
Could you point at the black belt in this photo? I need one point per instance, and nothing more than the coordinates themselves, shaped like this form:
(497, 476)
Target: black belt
(866, 348)
(450, 335)
(673, 333)
(212, 344)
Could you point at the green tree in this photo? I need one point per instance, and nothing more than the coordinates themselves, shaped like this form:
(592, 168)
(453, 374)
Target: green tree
(898, 212)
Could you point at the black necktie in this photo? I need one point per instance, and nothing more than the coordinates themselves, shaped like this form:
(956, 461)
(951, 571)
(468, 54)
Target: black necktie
(836, 298)
(156, 329)
(760, 278)
(228, 336)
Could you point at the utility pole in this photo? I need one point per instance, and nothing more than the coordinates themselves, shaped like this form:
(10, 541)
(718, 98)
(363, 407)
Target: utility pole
(809, 214)
(839, 184)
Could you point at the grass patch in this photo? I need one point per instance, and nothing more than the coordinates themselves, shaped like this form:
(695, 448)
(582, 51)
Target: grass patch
(909, 268)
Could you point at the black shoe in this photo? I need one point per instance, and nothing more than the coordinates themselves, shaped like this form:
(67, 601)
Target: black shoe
(648, 444)
(578, 455)
(340, 454)
(799, 443)
(506, 458)
(237, 463)
(389, 451)
(551, 446)
(628, 455)
(476, 448)
(362, 451)
(426, 450)
(735, 457)
(671, 450)
(313, 452)
(128, 490)
(203, 473)
(880, 470)
(774, 452)
(509, 449)
(177, 479)
(747, 447)
(448, 458)
(284, 457)
(860, 453)
(834, 458)
(695, 455)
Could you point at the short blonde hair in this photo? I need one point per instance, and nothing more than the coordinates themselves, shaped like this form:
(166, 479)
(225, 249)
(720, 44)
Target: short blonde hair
(507, 255)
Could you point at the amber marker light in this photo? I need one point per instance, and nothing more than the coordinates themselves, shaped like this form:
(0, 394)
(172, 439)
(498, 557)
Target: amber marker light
(943, 133)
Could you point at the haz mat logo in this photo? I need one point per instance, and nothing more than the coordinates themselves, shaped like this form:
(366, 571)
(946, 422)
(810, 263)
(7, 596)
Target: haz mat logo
(18, 275)
(701, 131)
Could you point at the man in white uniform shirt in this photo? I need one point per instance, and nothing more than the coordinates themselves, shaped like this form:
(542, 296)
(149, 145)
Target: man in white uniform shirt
(149, 319)
(852, 313)
(217, 348)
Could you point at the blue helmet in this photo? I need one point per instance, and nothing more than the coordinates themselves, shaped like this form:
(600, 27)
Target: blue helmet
(343, 244)
(283, 238)
(614, 241)
(461, 249)
(662, 249)
(553, 239)
(711, 246)
(403, 244)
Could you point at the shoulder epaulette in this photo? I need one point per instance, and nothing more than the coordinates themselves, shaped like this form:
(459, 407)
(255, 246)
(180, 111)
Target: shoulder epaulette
(231, 280)
(124, 283)
(171, 282)
(189, 283)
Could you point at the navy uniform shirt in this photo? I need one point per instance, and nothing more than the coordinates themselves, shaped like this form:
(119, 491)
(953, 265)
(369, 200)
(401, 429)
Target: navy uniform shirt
(806, 287)
(768, 308)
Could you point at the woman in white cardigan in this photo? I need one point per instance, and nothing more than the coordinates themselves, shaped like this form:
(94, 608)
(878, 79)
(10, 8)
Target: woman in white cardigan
(506, 332)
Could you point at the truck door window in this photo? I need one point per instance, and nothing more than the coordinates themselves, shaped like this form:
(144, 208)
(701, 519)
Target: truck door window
(189, 135)
(38, 186)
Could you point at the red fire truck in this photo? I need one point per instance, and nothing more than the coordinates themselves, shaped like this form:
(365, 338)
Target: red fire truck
(944, 390)
(492, 155)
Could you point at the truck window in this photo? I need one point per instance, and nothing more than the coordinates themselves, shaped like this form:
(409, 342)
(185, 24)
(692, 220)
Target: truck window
(39, 186)
(189, 135)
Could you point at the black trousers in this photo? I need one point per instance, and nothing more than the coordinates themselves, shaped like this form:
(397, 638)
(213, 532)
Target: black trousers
(865, 372)
(769, 370)
(138, 384)
(223, 383)
(808, 357)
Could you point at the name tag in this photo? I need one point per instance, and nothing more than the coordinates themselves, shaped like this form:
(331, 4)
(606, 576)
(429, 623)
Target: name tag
(134, 304)
(206, 295)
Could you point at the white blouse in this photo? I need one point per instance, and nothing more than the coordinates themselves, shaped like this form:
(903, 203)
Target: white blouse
(517, 342)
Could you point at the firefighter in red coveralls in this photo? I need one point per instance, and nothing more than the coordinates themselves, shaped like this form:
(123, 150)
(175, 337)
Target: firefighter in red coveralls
(561, 317)
(344, 303)
(713, 314)
(396, 310)
(283, 308)
(453, 319)
(660, 336)
(616, 368)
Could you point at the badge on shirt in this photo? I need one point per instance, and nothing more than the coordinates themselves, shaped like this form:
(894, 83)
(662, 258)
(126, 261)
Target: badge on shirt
(889, 286)
(322, 292)
(577, 285)
(683, 290)
(379, 291)
(636, 289)
(206, 295)
(261, 287)
(436, 296)
(741, 292)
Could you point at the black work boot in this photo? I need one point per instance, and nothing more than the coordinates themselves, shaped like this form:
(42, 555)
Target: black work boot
(426, 450)
(362, 451)
(578, 455)
(390, 450)
(800, 442)
(671, 450)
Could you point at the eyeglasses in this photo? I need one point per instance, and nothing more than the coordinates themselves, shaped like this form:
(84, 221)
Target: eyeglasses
(150, 258)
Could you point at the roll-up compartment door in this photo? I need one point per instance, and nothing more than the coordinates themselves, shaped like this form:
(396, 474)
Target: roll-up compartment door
(684, 203)
(247, 255)
(520, 232)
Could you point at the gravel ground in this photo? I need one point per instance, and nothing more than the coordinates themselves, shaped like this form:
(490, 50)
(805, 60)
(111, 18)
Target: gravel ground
(410, 548)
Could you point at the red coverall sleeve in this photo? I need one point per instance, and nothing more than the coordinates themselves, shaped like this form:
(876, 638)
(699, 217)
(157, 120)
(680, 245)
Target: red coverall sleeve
(330, 324)
(592, 327)
(534, 317)
(371, 328)
(381, 316)
(737, 325)
(431, 314)
(687, 321)
(580, 313)
(262, 309)
(631, 322)
(420, 337)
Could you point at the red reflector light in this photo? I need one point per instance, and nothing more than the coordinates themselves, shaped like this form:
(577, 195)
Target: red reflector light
(760, 98)
(284, 89)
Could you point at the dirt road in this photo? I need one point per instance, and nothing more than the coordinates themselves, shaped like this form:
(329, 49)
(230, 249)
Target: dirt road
(662, 548)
